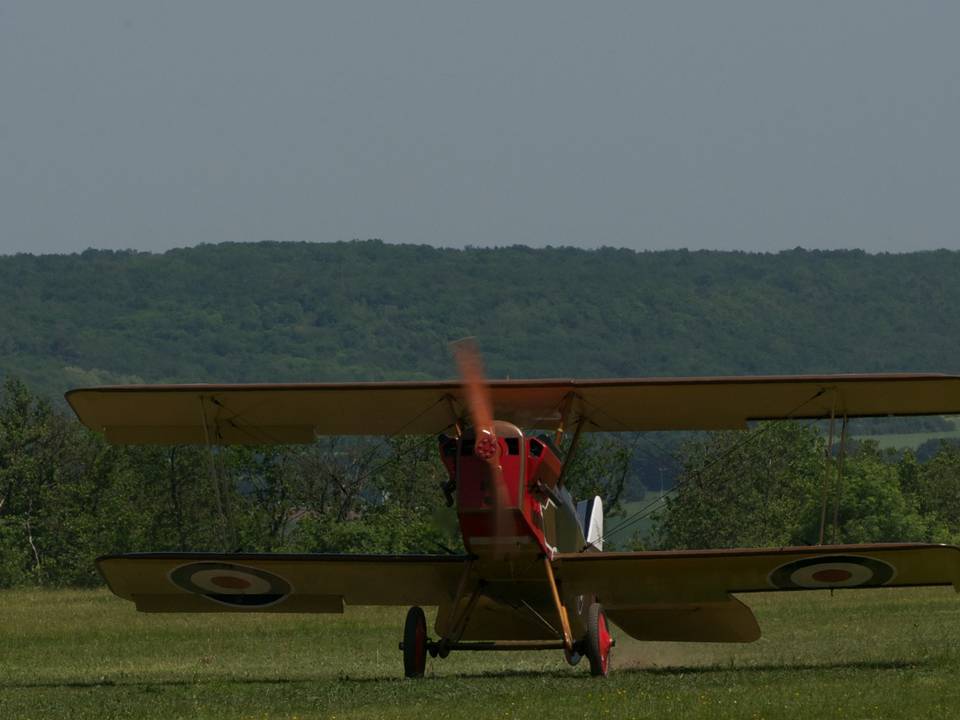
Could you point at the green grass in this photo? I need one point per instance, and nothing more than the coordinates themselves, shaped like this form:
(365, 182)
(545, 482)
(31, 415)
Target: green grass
(858, 654)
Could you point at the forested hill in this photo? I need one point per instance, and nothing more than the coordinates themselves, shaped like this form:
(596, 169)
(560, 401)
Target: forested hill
(368, 310)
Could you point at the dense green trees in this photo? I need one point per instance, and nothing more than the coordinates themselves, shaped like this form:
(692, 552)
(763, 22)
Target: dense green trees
(61, 492)
(775, 486)
(368, 310)
(67, 497)
(746, 489)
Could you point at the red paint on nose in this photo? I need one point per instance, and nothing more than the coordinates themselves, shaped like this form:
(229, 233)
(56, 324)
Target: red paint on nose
(230, 583)
(832, 575)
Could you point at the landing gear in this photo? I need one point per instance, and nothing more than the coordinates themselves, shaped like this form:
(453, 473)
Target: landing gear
(598, 642)
(414, 643)
(595, 645)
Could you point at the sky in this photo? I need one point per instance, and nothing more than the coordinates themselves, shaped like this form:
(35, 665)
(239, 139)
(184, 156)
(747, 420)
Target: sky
(757, 126)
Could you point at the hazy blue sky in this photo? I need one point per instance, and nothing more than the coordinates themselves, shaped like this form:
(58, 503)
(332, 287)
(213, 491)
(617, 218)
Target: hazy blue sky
(732, 125)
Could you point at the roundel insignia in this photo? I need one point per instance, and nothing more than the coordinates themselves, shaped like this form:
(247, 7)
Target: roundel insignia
(832, 571)
(239, 586)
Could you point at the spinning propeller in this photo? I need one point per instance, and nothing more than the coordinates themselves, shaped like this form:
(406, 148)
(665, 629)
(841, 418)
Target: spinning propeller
(478, 399)
(480, 406)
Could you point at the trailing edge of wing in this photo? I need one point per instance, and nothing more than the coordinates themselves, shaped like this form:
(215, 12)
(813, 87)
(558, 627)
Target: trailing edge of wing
(627, 579)
(686, 595)
(296, 413)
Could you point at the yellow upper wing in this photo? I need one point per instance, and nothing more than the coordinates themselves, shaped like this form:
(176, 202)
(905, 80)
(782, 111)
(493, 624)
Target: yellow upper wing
(209, 582)
(296, 413)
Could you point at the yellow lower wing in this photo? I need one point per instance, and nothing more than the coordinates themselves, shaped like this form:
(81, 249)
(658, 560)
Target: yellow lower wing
(207, 582)
(686, 595)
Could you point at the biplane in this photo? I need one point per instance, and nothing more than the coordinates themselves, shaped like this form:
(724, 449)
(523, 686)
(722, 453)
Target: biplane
(535, 574)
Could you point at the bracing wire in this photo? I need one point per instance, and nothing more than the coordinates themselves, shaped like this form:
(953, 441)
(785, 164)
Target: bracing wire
(265, 438)
(649, 508)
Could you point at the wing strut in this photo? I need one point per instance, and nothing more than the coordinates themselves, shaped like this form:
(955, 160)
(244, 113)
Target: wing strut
(827, 465)
(565, 407)
(450, 486)
(229, 537)
(836, 491)
(829, 474)
(572, 451)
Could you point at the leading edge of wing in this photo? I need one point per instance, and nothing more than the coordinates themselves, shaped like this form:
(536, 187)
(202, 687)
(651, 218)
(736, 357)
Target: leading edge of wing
(297, 412)
(533, 383)
(267, 582)
(524, 382)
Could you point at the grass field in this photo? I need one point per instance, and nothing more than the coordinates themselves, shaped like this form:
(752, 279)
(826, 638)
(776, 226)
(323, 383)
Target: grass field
(913, 440)
(892, 653)
(617, 537)
(909, 440)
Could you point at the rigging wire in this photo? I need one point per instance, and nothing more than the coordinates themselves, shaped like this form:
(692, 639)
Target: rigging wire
(262, 437)
(258, 434)
(648, 509)
(638, 437)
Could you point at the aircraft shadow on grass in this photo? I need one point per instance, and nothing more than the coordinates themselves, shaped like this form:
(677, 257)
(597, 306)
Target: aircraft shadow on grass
(498, 675)
(107, 683)
(671, 670)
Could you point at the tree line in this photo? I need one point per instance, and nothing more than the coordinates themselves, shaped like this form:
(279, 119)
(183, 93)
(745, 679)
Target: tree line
(370, 310)
(67, 496)
(778, 485)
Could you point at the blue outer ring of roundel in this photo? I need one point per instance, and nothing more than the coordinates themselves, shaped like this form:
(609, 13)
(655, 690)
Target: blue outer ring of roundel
(278, 587)
(880, 572)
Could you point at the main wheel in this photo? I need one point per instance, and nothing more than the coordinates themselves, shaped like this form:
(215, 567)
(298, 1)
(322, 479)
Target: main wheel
(414, 643)
(598, 641)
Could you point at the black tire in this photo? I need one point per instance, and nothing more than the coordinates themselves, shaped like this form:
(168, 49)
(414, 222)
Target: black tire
(414, 643)
(598, 641)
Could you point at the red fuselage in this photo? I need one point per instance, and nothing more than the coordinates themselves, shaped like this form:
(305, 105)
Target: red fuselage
(508, 519)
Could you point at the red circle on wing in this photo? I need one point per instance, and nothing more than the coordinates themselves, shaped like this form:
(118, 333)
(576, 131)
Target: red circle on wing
(230, 583)
(832, 575)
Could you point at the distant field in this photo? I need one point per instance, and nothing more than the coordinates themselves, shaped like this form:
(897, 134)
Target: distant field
(620, 537)
(913, 440)
(909, 440)
(857, 654)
